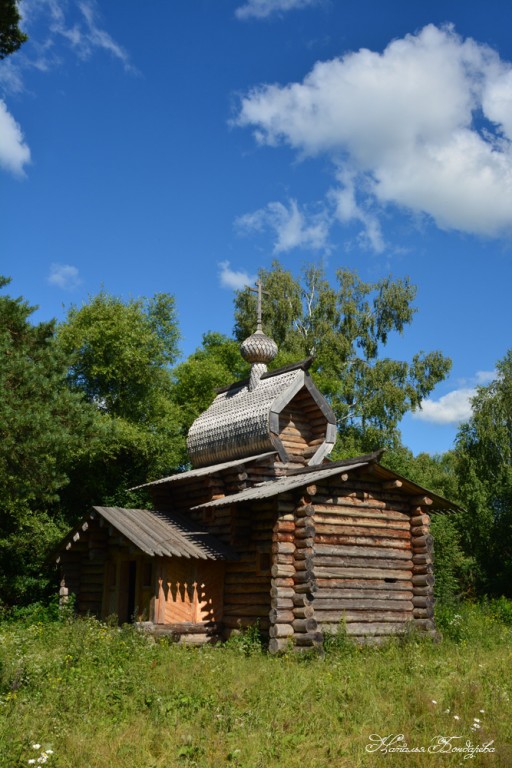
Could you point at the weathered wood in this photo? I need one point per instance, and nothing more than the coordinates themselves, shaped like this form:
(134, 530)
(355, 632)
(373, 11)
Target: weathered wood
(423, 580)
(283, 547)
(282, 571)
(362, 616)
(281, 603)
(420, 501)
(305, 625)
(365, 573)
(360, 604)
(363, 541)
(361, 562)
(389, 484)
(374, 629)
(363, 593)
(352, 583)
(278, 644)
(278, 616)
(338, 550)
(284, 559)
(282, 592)
(281, 630)
(304, 611)
(311, 639)
(419, 520)
(423, 601)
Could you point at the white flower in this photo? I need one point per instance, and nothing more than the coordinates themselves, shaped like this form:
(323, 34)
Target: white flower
(476, 719)
(482, 711)
(31, 762)
(456, 717)
(434, 701)
(36, 746)
(49, 751)
(447, 711)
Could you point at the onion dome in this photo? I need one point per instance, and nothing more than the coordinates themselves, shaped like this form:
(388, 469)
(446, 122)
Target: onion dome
(258, 348)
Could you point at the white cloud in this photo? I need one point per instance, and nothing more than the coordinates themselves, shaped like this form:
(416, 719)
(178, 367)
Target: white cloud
(455, 406)
(292, 227)
(485, 377)
(230, 278)
(449, 409)
(425, 125)
(14, 153)
(261, 9)
(64, 276)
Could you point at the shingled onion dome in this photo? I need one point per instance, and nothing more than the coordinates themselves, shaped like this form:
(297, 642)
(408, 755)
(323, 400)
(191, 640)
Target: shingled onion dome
(259, 350)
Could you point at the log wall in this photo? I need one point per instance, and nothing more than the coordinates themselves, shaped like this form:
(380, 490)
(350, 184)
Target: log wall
(363, 558)
(302, 426)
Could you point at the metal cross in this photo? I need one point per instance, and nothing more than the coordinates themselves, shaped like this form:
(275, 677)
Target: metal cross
(259, 290)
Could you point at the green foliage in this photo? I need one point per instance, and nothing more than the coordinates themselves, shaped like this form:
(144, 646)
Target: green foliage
(217, 363)
(247, 641)
(120, 354)
(98, 696)
(484, 471)
(346, 327)
(11, 36)
(44, 429)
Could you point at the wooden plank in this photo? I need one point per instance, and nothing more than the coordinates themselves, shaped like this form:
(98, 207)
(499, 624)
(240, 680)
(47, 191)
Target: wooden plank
(370, 552)
(360, 562)
(359, 604)
(363, 583)
(363, 593)
(364, 573)
(370, 541)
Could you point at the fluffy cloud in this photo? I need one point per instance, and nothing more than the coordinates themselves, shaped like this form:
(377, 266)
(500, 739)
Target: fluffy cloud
(449, 409)
(425, 125)
(292, 227)
(64, 276)
(230, 278)
(261, 9)
(14, 153)
(454, 407)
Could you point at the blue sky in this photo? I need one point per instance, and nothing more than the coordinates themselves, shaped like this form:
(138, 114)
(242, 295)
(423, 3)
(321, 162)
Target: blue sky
(179, 146)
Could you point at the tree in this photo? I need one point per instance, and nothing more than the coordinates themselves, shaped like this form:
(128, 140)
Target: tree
(11, 36)
(120, 356)
(43, 429)
(217, 363)
(484, 469)
(346, 327)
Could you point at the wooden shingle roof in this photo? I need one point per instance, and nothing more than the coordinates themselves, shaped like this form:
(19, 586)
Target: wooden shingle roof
(157, 534)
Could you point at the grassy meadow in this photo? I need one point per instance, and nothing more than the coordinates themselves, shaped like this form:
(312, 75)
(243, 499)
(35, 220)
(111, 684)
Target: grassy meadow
(81, 694)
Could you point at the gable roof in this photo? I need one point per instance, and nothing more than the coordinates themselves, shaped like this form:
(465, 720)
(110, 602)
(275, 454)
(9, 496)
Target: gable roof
(158, 534)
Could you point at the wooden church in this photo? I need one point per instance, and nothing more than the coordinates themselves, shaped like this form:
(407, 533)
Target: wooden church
(263, 529)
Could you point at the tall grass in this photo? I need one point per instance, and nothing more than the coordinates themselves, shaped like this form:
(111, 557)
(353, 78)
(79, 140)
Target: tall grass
(97, 696)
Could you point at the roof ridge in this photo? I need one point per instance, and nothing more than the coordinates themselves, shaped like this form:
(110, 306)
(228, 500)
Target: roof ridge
(301, 365)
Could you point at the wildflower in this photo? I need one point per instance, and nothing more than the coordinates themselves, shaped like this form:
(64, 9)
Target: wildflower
(476, 719)
(30, 762)
(447, 711)
(36, 746)
(456, 717)
(434, 701)
(482, 711)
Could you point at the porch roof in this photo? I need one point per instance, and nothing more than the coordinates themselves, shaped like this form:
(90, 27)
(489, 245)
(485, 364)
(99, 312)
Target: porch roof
(164, 535)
